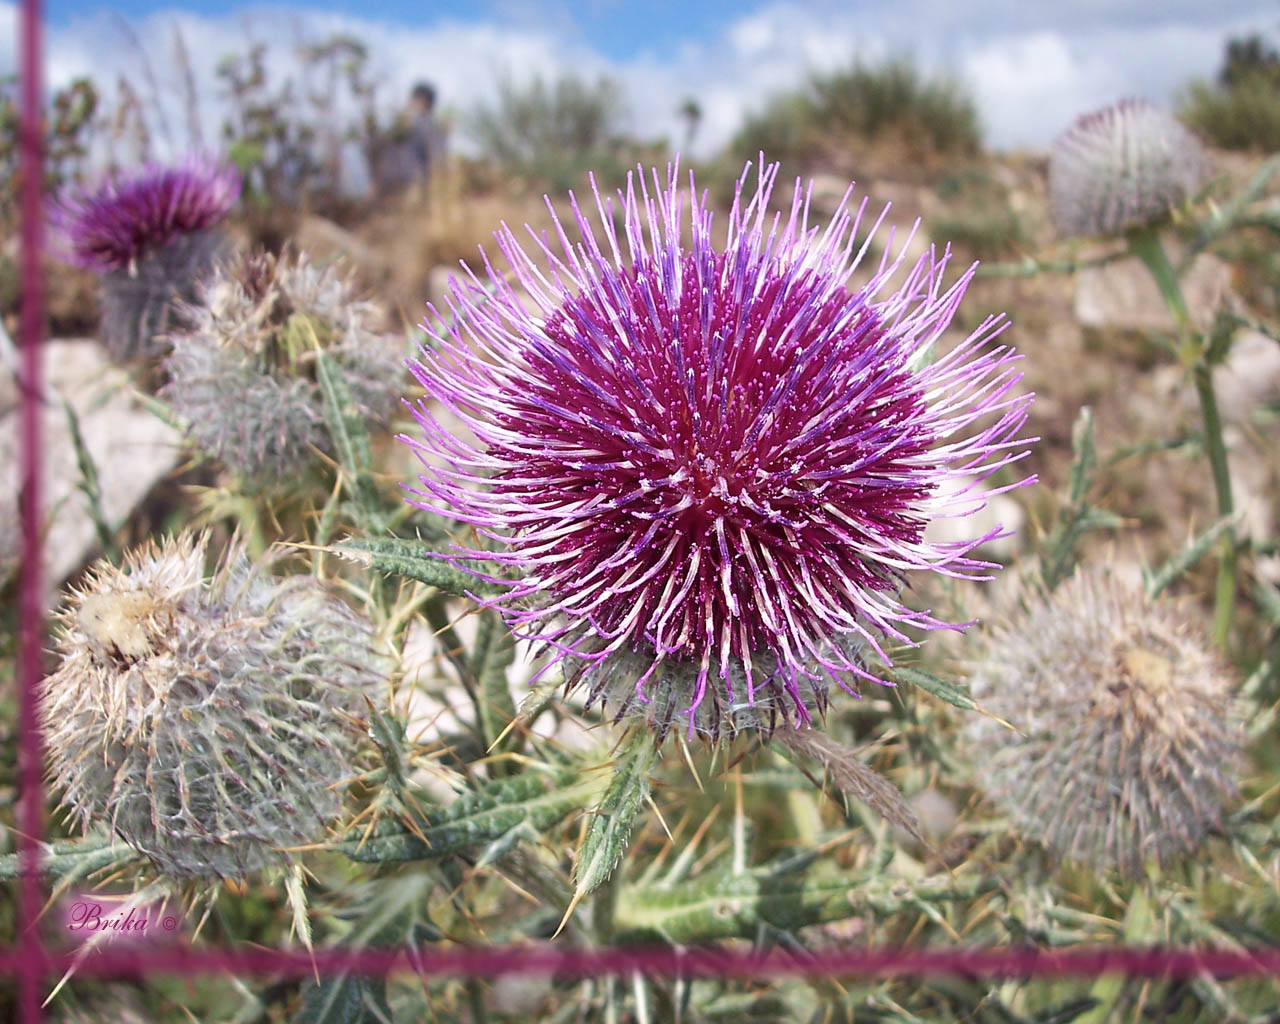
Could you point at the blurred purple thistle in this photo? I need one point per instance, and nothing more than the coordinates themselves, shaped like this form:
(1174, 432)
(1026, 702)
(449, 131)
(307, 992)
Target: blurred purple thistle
(714, 465)
(131, 215)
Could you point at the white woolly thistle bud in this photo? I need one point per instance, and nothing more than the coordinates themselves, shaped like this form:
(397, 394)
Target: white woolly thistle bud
(243, 373)
(1128, 746)
(1121, 167)
(206, 719)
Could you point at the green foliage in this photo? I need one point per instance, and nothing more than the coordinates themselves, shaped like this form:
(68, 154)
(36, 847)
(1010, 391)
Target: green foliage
(1241, 110)
(497, 812)
(551, 133)
(860, 103)
(70, 123)
(1245, 115)
(414, 560)
(977, 215)
(612, 819)
(284, 135)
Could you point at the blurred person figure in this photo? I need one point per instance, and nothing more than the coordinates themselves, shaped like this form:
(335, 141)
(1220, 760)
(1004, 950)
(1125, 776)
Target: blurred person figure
(414, 150)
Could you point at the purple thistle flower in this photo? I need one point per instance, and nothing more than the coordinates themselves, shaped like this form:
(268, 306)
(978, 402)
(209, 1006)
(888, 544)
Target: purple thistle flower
(711, 469)
(150, 237)
(132, 215)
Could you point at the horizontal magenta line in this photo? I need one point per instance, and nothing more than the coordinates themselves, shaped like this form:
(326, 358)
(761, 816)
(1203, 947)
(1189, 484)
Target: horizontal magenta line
(984, 962)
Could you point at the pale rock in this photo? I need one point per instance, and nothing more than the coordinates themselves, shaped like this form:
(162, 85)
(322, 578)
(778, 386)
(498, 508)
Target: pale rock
(521, 995)
(1000, 511)
(435, 704)
(935, 813)
(131, 448)
(1249, 377)
(438, 289)
(1123, 295)
(326, 242)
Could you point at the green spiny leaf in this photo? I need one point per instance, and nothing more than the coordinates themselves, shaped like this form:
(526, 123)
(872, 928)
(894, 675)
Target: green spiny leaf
(1083, 466)
(345, 999)
(491, 655)
(952, 693)
(71, 860)
(540, 800)
(727, 905)
(414, 560)
(88, 483)
(612, 819)
(1192, 552)
(350, 438)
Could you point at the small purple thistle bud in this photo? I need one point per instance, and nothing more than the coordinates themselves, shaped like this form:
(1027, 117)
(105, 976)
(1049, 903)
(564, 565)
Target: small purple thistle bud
(149, 234)
(1120, 167)
(206, 720)
(709, 469)
(1129, 743)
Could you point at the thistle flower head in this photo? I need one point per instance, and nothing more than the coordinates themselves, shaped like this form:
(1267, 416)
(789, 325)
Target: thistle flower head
(243, 371)
(206, 720)
(709, 468)
(1120, 167)
(130, 216)
(1127, 746)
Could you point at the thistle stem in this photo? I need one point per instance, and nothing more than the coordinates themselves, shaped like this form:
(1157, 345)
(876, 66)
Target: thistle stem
(1145, 244)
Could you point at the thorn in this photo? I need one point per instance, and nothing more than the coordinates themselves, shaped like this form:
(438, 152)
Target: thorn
(577, 896)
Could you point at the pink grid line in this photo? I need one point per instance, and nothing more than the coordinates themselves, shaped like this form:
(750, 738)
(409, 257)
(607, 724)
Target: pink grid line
(1078, 962)
(32, 956)
(34, 963)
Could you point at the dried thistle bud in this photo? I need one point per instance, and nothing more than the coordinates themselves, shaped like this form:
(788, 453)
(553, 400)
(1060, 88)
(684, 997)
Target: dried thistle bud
(151, 236)
(243, 371)
(1129, 746)
(207, 720)
(1120, 167)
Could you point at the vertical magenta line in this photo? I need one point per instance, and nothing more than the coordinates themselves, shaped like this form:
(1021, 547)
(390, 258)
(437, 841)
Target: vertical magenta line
(30, 586)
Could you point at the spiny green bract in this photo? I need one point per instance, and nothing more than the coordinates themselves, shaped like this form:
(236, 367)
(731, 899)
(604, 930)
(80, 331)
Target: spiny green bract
(208, 721)
(1128, 747)
(670, 690)
(243, 374)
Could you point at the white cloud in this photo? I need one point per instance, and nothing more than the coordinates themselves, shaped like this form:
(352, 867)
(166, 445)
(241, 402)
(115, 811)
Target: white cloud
(1032, 67)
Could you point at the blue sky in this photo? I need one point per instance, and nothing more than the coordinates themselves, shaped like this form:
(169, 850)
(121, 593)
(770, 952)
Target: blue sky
(1031, 65)
(615, 29)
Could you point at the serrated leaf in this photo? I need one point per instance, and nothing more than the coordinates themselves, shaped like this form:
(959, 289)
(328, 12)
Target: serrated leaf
(1192, 552)
(727, 905)
(346, 999)
(392, 915)
(346, 426)
(71, 860)
(538, 800)
(89, 484)
(612, 819)
(492, 654)
(415, 560)
(1268, 599)
(952, 693)
(1085, 460)
(350, 440)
